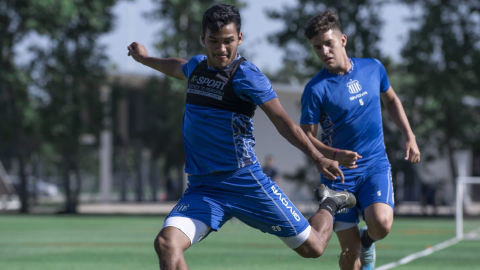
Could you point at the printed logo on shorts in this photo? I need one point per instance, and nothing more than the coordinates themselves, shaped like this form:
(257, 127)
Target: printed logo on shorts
(180, 207)
(285, 203)
(379, 193)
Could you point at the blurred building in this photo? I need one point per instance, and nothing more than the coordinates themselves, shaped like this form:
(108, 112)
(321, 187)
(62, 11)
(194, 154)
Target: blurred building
(289, 159)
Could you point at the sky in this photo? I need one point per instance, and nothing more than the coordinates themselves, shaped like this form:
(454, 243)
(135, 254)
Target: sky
(131, 25)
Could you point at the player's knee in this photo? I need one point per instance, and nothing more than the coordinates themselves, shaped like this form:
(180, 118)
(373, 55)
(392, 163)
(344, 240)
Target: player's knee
(382, 228)
(163, 245)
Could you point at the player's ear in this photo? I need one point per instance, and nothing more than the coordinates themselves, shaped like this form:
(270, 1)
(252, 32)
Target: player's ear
(240, 37)
(202, 38)
(344, 40)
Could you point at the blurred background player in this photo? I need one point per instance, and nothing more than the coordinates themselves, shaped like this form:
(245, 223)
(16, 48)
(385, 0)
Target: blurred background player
(225, 178)
(271, 171)
(344, 97)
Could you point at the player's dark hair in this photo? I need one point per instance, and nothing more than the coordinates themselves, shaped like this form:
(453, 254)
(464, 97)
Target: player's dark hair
(321, 23)
(220, 15)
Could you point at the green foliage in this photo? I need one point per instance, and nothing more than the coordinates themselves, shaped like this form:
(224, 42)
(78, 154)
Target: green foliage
(360, 21)
(182, 20)
(444, 56)
(71, 72)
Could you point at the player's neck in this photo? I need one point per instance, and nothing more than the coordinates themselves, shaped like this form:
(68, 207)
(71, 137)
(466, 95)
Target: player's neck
(344, 67)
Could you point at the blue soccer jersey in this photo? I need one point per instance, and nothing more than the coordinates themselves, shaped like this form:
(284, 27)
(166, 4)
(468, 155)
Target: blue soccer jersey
(347, 107)
(217, 140)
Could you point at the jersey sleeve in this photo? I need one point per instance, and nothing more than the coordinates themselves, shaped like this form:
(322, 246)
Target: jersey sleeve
(311, 106)
(384, 82)
(190, 66)
(251, 85)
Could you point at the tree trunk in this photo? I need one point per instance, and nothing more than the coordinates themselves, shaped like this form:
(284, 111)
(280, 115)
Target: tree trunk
(66, 183)
(18, 147)
(450, 149)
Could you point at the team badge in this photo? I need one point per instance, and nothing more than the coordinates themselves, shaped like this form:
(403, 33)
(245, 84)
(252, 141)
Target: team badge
(354, 86)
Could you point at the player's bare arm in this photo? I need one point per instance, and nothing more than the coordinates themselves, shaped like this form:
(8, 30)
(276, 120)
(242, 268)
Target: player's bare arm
(397, 113)
(294, 134)
(169, 66)
(345, 158)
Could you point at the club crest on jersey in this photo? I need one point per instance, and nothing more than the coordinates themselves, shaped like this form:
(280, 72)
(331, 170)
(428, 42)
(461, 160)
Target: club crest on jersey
(354, 86)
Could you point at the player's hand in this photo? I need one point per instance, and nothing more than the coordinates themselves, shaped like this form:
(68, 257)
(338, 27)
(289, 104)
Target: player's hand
(412, 153)
(347, 159)
(329, 168)
(137, 51)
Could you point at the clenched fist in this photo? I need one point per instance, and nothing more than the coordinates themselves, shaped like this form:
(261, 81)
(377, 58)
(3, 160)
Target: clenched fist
(137, 51)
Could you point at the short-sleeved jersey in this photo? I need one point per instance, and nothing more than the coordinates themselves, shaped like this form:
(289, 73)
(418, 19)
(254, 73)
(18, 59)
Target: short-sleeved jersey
(218, 140)
(347, 107)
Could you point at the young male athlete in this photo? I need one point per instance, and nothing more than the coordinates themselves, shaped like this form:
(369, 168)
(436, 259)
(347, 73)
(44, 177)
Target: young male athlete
(225, 178)
(344, 98)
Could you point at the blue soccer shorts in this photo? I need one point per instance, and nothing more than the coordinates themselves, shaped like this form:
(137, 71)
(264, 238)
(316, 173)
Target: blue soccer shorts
(370, 184)
(247, 194)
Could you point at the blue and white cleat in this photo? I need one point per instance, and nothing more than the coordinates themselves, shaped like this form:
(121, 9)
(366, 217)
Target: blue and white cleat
(367, 255)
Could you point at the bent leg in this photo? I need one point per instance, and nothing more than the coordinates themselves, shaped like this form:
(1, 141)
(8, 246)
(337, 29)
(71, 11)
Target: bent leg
(170, 244)
(322, 228)
(379, 219)
(350, 243)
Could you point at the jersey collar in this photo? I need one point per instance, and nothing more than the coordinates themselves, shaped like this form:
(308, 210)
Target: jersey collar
(217, 69)
(343, 74)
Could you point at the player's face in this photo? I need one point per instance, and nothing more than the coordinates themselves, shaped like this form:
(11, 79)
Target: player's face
(330, 48)
(221, 46)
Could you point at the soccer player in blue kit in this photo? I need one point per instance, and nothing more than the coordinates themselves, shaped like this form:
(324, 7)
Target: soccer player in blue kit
(344, 98)
(225, 177)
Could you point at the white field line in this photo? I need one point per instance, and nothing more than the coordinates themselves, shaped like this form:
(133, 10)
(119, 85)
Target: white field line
(426, 252)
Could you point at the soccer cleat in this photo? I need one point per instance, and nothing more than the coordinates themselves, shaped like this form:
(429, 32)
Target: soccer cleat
(367, 255)
(343, 199)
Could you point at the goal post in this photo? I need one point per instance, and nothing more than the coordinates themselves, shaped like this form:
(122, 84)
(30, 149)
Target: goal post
(462, 182)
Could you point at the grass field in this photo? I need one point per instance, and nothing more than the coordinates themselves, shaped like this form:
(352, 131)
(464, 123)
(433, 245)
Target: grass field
(126, 242)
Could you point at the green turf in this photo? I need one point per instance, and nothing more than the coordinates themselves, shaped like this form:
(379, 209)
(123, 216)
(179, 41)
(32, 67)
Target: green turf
(126, 242)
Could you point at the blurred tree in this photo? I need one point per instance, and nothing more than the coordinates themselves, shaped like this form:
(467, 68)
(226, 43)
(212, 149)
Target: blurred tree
(443, 55)
(360, 21)
(19, 19)
(71, 72)
(179, 37)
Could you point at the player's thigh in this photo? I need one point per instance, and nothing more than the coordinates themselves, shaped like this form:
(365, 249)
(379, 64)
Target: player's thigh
(184, 230)
(376, 188)
(172, 239)
(261, 204)
(200, 211)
